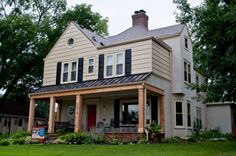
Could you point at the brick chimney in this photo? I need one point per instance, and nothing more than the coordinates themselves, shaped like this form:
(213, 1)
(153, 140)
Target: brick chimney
(140, 19)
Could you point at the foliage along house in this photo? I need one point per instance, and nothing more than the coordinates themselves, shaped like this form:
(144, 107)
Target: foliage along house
(121, 83)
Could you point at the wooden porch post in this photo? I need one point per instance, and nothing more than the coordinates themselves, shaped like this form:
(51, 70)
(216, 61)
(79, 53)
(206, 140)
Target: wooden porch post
(78, 113)
(141, 109)
(51, 115)
(31, 115)
(162, 113)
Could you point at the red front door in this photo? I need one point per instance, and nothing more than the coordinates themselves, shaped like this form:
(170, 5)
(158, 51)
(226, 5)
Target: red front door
(91, 117)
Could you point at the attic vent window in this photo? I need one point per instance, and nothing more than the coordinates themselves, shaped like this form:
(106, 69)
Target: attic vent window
(70, 42)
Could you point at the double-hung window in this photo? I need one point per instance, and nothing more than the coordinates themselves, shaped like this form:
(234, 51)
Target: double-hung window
(189, 114)
(179, 114)
(65, 72)
(199, 117)
(69, 73)
(114, 65)
(73, 71)
(109, 65)
(119, 64)
(90, 65)
(187, 72)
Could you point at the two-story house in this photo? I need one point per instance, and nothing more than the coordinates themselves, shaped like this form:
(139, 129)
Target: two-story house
(121, 83)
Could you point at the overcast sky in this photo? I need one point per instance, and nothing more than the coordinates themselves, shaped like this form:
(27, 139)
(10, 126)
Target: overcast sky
(119, 12)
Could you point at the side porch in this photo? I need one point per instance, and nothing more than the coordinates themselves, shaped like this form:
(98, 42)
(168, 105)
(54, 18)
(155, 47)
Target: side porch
(123, 108)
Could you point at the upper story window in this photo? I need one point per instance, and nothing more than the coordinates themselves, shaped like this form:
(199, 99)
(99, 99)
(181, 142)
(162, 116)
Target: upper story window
(187, 72)
(109, 65)
(114, 65)
(179, 114)
(90, 65)
(186, 42)
(197, 83)
(73, 71)
(70, 42)
(65, 72)
(69, 73)
(120, 64)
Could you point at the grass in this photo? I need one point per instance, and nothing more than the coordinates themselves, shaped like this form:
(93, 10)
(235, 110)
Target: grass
(190, 149)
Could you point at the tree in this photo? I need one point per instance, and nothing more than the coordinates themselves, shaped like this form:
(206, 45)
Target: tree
(213, 29)
(28, 30)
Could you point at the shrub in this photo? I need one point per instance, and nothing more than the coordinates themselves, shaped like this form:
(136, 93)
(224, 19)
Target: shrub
(113, 140)
(19, 141)
(76, 138)
(172, 140)
(19, 135)
(3, 136)
(143, 141)
(99, 139)
(4, 142)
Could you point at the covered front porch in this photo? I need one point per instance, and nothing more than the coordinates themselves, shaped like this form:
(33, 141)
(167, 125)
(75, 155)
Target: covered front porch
(124, 108)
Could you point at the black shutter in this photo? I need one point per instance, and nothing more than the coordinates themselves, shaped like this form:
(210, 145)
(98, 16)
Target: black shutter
(128, 57)
(58, 73)
(80, 69)
(101, 67)
(154, 108)
(116, 113)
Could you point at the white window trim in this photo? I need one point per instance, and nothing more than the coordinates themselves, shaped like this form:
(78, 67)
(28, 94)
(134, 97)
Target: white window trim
(189, 113)
(68, 46)
(105, 68)
(114, 65)
(185, 37)
(188, 63)
(93, 66)
(69, 72)
(183, 117)
(123, 69)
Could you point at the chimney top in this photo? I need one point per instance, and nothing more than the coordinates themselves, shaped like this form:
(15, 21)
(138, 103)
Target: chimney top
(140, 19)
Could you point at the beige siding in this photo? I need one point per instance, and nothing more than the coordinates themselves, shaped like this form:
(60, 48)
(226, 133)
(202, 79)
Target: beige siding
(62, 53)
(141, 55)
(160, 61)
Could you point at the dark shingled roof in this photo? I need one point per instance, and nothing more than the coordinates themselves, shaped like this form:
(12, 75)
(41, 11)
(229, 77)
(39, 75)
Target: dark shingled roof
(133, 33)
(92, 83)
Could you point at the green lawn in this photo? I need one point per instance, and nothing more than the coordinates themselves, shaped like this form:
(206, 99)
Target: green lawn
(211, 149)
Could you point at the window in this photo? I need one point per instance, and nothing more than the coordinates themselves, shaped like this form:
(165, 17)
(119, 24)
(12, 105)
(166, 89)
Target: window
(197, 83)
(130, 113)
(70, 42)
(188, 114)
(109, 65)
(20, 122)
(73, 71)
(187, 72)
(179, 114)
(65, 72)
(90, 65)
(199, 118)
(234, 119)
(186, 42)
(69, 73)
(119, 64)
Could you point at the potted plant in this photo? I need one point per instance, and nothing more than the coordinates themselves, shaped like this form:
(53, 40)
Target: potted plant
(155, 130)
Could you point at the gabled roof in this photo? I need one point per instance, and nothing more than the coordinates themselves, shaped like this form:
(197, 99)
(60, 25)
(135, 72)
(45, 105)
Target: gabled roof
(93, 83)
(133, 33)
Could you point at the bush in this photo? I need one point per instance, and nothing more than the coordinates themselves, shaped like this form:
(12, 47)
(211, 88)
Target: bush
(99, 139)
(19, 141)
(112, 140)
(76, 138)
(19, 135)
(4, 142)
(2, 136)
(172, 140)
